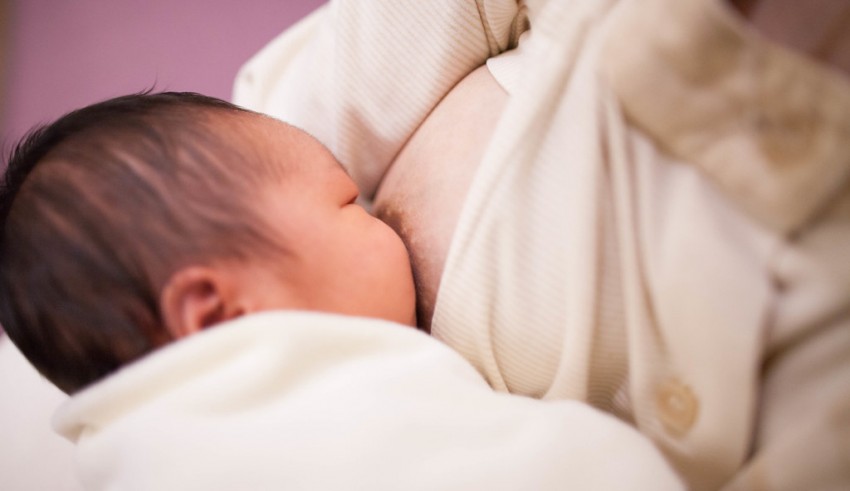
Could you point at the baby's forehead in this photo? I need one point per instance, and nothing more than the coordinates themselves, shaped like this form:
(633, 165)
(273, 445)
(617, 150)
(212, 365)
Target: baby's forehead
(285, 144)
(265, 131)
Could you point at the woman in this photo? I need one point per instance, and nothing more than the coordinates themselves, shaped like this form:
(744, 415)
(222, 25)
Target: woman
(645, 216)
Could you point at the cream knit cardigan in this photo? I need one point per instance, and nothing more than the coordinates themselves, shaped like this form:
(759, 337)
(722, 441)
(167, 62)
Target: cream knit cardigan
(659, 227)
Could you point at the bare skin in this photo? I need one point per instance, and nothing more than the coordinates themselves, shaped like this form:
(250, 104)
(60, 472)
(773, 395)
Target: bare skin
(422, 194)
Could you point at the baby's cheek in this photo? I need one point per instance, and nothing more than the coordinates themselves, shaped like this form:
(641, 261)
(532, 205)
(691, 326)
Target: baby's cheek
(394, 248)
(399, 276)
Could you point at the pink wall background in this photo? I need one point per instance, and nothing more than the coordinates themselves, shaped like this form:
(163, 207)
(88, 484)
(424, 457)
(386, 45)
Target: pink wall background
(62, 54)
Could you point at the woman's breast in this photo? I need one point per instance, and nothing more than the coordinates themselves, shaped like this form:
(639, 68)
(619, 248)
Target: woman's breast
(422, 194)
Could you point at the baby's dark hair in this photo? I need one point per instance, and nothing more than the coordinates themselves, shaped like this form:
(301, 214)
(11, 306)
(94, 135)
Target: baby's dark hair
(100, 207)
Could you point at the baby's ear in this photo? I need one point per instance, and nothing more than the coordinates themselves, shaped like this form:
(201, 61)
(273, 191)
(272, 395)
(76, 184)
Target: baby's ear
(197, 297)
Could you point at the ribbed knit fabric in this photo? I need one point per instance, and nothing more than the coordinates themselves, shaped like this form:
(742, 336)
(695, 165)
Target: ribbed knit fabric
(366, 120)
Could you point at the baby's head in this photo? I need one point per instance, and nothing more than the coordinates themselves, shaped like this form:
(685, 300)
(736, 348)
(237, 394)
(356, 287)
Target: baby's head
(137, 221)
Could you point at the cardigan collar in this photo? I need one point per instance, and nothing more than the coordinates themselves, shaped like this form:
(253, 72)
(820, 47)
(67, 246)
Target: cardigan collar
(770, 126)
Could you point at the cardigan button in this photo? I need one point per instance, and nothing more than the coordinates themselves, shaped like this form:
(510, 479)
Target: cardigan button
(677, 407)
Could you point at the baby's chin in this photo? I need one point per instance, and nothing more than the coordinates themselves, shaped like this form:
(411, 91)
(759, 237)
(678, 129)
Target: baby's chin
(411, 320)
(396, 303)
(405, 315)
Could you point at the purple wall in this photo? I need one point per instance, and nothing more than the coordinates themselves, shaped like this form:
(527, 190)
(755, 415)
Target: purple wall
(57, 55)
(63, 54)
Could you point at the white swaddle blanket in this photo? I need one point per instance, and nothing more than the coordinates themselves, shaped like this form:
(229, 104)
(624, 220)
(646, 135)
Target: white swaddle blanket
(303, 401)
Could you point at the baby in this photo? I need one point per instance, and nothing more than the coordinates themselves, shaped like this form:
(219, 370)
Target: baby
(137, 221)
(134, 223)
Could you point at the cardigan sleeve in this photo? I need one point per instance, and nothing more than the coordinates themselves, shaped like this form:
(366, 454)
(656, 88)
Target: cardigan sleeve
(361, 75)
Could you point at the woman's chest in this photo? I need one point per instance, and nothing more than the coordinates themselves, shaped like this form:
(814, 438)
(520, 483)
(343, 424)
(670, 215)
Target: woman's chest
(422, 194)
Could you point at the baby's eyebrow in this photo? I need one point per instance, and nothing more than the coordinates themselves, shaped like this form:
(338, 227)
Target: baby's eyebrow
(344, 169)
(333, 157)
(337, 161)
